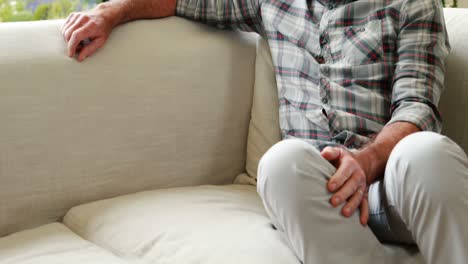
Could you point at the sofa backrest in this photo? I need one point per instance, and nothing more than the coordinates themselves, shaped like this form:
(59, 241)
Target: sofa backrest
(264, 125)
(165, 103)
(454, 101)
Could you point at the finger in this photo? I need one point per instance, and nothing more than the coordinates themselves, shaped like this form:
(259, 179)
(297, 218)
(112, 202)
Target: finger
(349, 188)
(353, 203)
(89, 49)
(342, 174)
(79, 22)
(70, 20)
(364, 218)
(66, 22)
(77, 37)
(76, 24)
(331, 153)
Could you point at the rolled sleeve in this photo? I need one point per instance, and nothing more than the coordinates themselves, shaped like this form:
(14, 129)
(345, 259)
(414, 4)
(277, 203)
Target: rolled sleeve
(235, 14)
(420, 114)
(419, 74)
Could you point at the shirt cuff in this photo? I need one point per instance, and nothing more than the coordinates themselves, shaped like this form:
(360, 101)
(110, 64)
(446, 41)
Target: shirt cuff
(420, 114)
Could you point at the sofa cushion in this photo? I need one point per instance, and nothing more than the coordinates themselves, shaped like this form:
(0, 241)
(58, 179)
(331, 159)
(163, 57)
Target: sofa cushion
(205, 224)
(454, 101)
(264, 129)
(52, 244)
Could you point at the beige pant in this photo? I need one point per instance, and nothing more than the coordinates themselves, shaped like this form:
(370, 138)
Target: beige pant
(422, 198)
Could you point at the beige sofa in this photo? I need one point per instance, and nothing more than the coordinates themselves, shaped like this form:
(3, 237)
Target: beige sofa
(147, 151)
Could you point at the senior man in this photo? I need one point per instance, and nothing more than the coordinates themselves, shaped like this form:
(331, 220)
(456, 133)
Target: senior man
(358, 82)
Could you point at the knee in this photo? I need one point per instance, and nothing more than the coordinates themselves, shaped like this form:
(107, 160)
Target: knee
(281, 159)
(425, 161)
(422, 148)
(282, 168)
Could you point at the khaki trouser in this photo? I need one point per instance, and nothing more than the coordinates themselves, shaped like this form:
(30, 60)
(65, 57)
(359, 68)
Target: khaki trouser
(422, 199)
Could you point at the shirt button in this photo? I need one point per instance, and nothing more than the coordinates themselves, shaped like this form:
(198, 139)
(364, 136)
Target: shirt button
(320, 60)
(325, 71)
(325, 100)
(324, 37)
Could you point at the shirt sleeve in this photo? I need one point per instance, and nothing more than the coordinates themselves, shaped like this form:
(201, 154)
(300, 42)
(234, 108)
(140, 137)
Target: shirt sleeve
(234, 14)
(422, 47)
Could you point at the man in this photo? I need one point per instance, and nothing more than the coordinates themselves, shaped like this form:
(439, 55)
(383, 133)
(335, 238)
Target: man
(358, 80)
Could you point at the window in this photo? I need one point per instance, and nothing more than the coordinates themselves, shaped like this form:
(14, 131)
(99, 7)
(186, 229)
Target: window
(29, 10)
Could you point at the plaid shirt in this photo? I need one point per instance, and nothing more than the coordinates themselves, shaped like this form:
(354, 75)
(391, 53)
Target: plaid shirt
(344, 68)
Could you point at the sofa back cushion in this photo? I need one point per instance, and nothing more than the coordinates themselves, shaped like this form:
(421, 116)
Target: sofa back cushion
(454, 101)
(264, 130)
(264, 125)
(165, 103)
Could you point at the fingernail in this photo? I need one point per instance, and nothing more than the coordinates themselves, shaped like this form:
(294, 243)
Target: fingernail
(347, 210)
(333, 186)
(336, 200)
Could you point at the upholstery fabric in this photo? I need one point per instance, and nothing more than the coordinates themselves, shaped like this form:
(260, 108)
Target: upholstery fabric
(205, 224)
(52, 244)
(454, 101)
(454, 104)
(150, 110)
(264, 130)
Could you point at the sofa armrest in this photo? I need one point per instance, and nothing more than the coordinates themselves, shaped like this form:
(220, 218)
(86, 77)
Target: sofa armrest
(165, 103)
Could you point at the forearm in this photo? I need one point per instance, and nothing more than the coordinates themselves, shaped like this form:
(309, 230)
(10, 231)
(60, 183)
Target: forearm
(375, 155)
(121, 11)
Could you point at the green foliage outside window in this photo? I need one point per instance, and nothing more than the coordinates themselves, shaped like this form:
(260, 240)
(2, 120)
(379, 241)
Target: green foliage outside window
(29, 10)
(454, 3)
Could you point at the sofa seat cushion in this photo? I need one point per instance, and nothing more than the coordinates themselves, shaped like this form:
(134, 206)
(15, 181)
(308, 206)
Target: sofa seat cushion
(204, 224)
(52, 244)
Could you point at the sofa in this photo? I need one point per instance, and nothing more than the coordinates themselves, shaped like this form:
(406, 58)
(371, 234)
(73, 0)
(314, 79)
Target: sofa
(147, 151)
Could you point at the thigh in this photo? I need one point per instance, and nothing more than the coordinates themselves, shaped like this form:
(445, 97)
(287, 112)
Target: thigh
(292, 183)
(426, 179)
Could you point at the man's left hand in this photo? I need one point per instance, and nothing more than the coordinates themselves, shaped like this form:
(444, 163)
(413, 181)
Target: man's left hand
(349, 183)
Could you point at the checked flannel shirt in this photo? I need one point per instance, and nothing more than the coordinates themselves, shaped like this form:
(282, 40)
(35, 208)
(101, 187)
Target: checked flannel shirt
(344, 68)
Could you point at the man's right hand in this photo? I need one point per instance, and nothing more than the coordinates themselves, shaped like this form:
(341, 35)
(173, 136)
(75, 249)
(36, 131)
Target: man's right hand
(86, 32)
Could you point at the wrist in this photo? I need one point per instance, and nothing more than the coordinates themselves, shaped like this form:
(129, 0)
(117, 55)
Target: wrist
(114, 13)
(369, 160)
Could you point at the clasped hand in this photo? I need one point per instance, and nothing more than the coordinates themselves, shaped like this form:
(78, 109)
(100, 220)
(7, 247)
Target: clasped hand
(349, 183)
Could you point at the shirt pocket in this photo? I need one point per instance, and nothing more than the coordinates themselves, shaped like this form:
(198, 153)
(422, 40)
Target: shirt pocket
(358, 45)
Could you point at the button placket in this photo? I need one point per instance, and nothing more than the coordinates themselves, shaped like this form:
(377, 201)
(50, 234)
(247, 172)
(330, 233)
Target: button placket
(324, 42)
(324, 38)
(324, 93)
